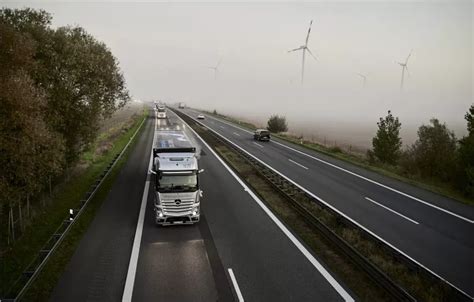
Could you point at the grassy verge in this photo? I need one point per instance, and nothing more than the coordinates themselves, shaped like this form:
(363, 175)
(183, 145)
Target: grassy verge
(68, 195)
(360, 160)
(420, 285)
(44, 284)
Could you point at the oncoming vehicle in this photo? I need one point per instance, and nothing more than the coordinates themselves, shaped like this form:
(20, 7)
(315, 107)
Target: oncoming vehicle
(201, 117)
(175, 165)
(262, 135)
(161, 112)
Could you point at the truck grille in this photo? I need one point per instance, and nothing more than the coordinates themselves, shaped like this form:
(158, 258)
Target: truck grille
(170, 207)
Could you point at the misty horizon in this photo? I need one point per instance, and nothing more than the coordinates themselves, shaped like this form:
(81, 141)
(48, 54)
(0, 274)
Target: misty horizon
(165, 51)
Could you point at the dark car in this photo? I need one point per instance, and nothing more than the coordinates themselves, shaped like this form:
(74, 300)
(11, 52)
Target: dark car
(261, 135)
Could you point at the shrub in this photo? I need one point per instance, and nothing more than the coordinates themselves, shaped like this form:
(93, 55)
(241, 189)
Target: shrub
(466, 156)
(434, 153)
(387, 142)
(277, 124)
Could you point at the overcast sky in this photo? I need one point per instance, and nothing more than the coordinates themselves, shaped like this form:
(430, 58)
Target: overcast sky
(165, 50)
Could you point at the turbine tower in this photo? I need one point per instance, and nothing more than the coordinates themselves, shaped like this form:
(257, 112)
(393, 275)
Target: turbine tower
(215, 68)
(404, 67)
(305, 48)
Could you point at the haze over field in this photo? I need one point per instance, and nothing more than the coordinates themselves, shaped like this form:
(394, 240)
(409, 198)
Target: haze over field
(165, 50)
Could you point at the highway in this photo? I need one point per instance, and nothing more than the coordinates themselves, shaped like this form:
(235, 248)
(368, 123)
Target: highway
(238, 251)
(434, 231)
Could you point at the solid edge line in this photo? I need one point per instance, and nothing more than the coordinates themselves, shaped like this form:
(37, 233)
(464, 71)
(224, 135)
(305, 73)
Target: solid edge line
(359, 176)
(298, 164)
(393, 211)
(341, 213)
(132, 266)
(341, 291)
(236, 285)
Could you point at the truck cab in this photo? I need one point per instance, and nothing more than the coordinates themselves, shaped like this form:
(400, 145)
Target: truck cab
(177, 192)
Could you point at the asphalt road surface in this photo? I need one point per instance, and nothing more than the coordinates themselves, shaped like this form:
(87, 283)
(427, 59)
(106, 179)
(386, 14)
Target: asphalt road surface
(433, 230)
(238, 251)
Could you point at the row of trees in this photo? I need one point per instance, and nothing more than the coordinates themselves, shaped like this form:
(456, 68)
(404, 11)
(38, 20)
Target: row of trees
(55, 87)
(436, 154)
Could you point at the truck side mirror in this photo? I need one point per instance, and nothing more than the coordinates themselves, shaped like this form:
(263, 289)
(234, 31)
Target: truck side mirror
(200, 171)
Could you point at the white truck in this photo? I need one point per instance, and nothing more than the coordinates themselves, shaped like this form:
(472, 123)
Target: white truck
(175, 166)
(161, 112)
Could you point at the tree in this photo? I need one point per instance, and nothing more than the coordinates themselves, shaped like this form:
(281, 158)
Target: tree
(85, 85)
(466, 155)
(30, 152)
(469, 117)
(277, 124)
(79, 75)
(387, 142)
(434, 152)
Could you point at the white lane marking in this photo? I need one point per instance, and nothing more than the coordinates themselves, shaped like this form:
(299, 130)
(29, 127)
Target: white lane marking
(132, 266)
(342, 214)
(221, 127)
(379, 184)
(363, 177)
(235, 133)
(298, 164)
(342, 292)
(236, 285)
(393, 211)
(258, 145)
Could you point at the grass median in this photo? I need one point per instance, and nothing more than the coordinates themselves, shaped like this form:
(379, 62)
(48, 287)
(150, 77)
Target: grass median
(67, 195)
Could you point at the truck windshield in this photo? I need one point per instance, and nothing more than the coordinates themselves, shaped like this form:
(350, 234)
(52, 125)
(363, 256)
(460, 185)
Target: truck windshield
(177, 182)
(161, 109)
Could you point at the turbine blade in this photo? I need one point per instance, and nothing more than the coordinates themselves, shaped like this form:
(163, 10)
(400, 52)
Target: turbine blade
(309, 31)
(311, 53)
(406, 61)
(299, 48)
(219, 63)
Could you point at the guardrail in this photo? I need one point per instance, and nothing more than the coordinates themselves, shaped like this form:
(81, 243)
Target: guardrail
(25, 280)
(293, 192)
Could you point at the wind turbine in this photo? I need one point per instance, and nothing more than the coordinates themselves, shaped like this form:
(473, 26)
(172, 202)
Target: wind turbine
(215, 68)
(404, 67)
(305, 48)
(364, 78)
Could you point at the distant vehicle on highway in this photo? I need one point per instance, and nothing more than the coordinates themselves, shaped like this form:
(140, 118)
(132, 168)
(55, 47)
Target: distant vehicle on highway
(175, 165)
(161, 112)
(262, 135)
(201, 117)
(182, 105)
